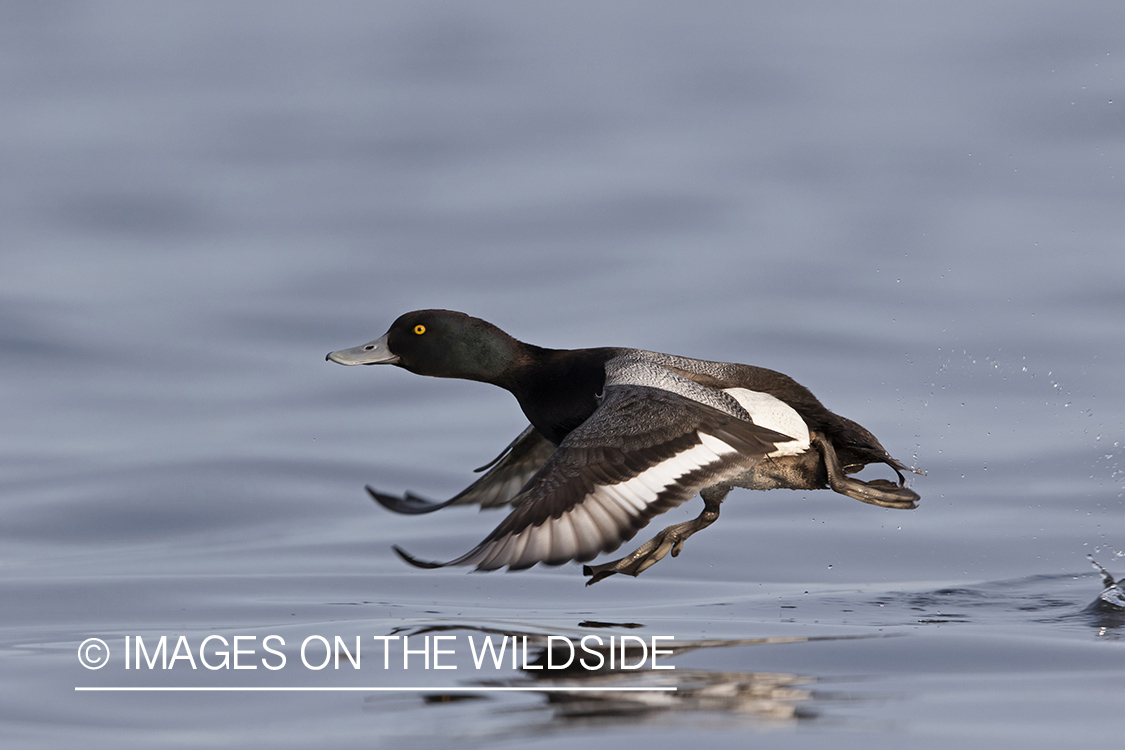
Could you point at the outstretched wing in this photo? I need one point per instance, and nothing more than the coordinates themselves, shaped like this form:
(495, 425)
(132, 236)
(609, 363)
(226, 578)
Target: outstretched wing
(506, 475)
(644, 451)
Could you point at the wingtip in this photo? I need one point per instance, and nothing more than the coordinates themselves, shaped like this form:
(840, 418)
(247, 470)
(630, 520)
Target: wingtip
(414, 560)
(390, 502)
(409, 504)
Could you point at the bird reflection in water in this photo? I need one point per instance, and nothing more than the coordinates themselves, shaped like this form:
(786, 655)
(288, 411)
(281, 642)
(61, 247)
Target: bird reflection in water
(574, 698)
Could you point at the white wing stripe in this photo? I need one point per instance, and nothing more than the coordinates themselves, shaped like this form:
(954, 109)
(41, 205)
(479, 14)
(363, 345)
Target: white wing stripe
(619, 515)
(603, 514)
(628, 496)
(651, 482)
(658, 478)
(716, 446)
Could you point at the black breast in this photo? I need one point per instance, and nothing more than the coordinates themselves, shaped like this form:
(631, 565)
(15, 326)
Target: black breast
(559, 389)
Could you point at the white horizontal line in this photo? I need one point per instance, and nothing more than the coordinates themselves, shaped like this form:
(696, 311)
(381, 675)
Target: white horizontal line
(115, 689)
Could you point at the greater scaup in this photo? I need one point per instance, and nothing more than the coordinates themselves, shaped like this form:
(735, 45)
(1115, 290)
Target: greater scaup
(618, 436)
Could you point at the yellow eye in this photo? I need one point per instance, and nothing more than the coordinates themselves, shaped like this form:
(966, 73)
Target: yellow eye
(419, 329)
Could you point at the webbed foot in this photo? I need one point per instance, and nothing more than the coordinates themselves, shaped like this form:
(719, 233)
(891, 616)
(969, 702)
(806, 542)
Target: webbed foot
(654, 550)
(880, 492)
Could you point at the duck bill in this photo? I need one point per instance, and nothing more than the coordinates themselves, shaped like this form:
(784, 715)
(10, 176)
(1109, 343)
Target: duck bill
(372, 353)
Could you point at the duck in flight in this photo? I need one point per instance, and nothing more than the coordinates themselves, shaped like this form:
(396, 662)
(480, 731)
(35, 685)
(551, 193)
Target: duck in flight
(619, 436)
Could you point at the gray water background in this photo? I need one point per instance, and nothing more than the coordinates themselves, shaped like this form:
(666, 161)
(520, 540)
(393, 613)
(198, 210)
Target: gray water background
(914, 209)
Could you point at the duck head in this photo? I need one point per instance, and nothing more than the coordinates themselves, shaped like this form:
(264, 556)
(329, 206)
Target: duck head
(440, 343)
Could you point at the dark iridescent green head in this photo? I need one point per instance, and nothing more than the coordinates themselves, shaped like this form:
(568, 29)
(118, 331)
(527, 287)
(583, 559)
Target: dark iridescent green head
(440, 343)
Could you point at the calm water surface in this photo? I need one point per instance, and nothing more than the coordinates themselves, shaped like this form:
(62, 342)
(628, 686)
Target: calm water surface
(914, 210)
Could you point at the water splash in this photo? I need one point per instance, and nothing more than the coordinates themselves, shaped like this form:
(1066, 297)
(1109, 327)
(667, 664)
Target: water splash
(1113, 595)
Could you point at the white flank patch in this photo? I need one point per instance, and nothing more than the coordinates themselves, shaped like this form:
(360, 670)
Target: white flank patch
(774, 414)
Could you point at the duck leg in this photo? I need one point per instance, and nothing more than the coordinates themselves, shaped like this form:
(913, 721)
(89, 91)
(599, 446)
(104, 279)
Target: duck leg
(875, 492)
(670, 539)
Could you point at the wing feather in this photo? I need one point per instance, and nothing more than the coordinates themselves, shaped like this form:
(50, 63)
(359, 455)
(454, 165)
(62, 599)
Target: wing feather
(504, 477)
(644, 451)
